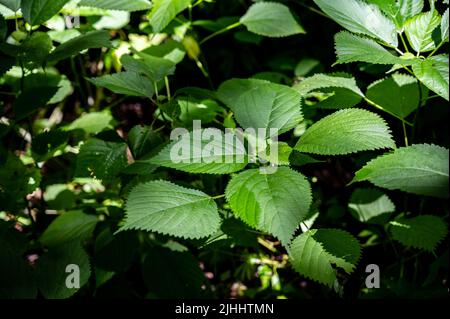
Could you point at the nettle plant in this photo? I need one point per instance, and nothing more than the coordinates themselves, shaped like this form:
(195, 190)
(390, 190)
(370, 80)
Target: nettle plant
(120, 198)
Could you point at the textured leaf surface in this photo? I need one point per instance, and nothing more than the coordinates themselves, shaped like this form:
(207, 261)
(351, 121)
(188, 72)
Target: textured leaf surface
(398, 94)
(360, 17)
(68, 227)
(90, 40)
(323, 81)
(445, 26)
(313, 253)
(38, 11)
(261, 104)
(164, 11)
(143, 140)
(433, 73)
(195, 152)
(370, 206)
(275, 203)
(399, 10)
(33, 51)
(345, 132)
(420, 169)
(423, 232)
(51, 270)
(128, 83)
(14, 5)
(408, 9)
(155, 68)
(419, 30)
(271, 19)
(167, 208)
(355, 48)
(101, 159)
(123, 5)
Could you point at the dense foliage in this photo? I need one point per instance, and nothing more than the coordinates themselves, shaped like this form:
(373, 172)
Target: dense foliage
(352, 168)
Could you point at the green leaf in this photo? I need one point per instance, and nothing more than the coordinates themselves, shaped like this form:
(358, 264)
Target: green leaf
(262, 104)
(92, 123)
(154, 67)
(419, 169)
(90, 40)
(389, 7)
(409, 9)
(142, 141)
(197, 152)
(445, 26)
(3, 32)
(345, 132)
(33, 51)
(8, 13)
(170, 50)
(336, 99)
(45, 144)
(166, 208)
(128, 83)
(16, 274)
(16, 181)
(164, 11)
(271, 19)
(342, 92)
(59, 197)
(307, 66)
(323, 81)
(398, 94)
(123, 5)
(422, 232)
(51, 270)
(370, 206)
(192, 109)
(115, 252)
(31, 100)
(101, 159)
(433, 73)
(354, 48)
(274, 203)
(14, 5)
(73, 226)
(313, 253)
(46, 79)
(419, 30)
(172, 274)
(37, 12)
(400, 10)
(360, 17)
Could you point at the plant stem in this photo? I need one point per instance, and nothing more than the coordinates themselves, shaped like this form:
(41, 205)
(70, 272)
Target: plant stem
(77, 81)
(218, 196)
(435, 50)
(388, 112)
(228, 28)
(404, 133)
(87, 84)
(313, 10)
(166, 80)
(409, 71)
(404, 42)
(156, 91)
